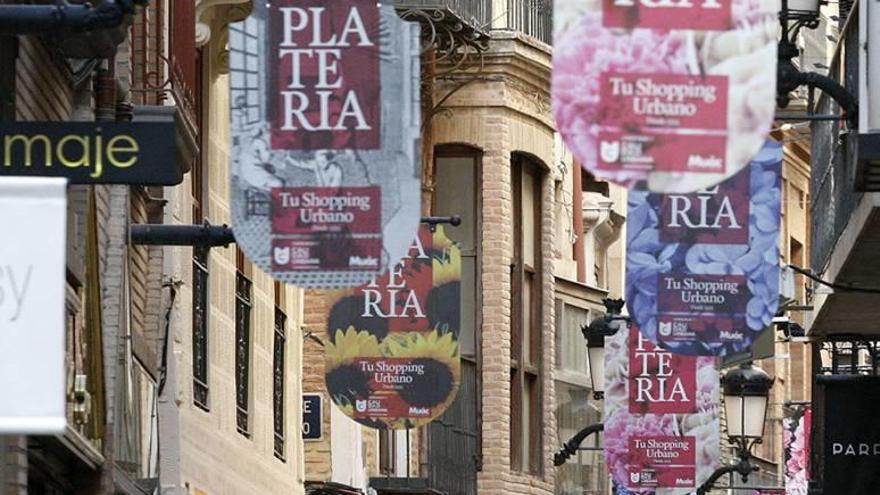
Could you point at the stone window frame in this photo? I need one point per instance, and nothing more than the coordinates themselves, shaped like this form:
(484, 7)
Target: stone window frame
(526, 366)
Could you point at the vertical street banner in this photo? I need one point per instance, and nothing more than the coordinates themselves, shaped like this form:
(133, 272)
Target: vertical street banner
(662, 431)
(325, 121)
(667, 96)
(702, 269)
(392, 353)
(33, 219)
(796, 434)
(851, 450)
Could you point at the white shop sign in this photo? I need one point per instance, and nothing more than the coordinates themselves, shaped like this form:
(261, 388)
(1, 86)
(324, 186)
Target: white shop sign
(33, 214)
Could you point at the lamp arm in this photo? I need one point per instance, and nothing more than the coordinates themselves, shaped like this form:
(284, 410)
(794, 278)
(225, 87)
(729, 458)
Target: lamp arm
(570, 447)
(744, 468)
(835, 90)
(790, 78)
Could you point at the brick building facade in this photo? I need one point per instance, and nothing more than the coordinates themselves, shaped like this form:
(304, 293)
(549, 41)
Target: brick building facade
(527, 237)
(183, 365)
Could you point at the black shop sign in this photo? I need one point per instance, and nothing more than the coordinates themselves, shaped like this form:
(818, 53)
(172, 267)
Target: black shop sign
(852, 435)
(91, 152)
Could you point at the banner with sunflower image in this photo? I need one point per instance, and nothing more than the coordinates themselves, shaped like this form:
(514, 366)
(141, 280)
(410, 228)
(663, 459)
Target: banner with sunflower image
(392, 358)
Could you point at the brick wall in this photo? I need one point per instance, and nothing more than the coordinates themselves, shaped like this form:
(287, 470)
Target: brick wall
(505, 114)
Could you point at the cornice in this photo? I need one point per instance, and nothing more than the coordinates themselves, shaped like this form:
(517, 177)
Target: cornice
(224, 12)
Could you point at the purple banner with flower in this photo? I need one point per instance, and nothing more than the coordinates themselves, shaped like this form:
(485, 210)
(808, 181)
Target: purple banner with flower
(702, 269)
(662, 432)
(796, 441)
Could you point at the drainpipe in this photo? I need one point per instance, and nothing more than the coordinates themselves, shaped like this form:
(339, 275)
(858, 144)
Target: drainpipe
(578, 223)
(112, 300)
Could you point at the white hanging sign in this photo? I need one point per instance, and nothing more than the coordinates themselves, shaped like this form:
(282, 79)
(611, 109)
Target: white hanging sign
(33, 220)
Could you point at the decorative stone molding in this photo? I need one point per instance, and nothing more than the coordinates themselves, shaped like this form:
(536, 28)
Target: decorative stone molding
(224, 12)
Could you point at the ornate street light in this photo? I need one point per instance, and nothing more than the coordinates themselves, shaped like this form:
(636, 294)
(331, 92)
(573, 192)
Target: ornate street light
(794, 16)
(595, 333)
(746, 393)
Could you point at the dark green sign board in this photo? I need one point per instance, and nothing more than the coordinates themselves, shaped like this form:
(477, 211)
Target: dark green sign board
(91, 152)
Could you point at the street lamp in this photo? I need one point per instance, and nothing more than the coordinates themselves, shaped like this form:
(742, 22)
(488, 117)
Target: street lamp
(595, 333)
(794, 16)
(746, 393)
(801, 10)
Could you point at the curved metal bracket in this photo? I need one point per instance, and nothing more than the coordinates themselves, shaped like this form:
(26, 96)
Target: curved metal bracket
(789, 78)
(571, 447)
(744, 467)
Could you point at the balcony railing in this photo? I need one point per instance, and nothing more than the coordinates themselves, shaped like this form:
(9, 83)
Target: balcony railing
(476, 12)
(531, 17)
(833, 196)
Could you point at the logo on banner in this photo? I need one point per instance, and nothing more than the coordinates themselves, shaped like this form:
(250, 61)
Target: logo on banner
(685, 117)
(703, 268)
(325, 123)
(662, 430)
(393, 360)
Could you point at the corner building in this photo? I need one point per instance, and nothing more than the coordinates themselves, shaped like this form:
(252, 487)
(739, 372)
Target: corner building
(539, 240)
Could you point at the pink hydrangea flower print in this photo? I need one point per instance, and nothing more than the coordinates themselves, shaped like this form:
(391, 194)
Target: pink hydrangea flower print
(796, 444)
(739, 63)
(621, 426)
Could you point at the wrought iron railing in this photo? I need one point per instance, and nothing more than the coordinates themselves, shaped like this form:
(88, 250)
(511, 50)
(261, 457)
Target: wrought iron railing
(278, 364)
(200, 327)
(833, 191)
(531, 17)
(476, 12)
(243, 298)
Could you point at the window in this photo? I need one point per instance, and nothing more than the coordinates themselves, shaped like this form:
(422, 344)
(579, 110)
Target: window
(454, 440)
(387, 452)
(243, 302)
(527, 318)
(200, 259)
(585, 472)
(245, 71)
(200, 327)
(278, 364)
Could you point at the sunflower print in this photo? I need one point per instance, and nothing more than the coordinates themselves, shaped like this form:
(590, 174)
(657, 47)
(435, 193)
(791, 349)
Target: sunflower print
(439, 355)
(361, 345)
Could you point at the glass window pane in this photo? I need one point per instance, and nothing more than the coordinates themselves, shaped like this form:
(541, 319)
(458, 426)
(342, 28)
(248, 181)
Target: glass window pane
(584, 472)
(527, 317)
(572, 347)
(455, 195)
(528, 217)
(468, 335)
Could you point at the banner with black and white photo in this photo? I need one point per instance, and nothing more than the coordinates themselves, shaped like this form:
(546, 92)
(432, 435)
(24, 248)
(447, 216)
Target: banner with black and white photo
(325, 127)
(852, 435)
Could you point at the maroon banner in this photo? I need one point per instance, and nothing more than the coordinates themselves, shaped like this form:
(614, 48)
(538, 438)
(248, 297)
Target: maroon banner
(325, 75)
(325, 113)
(703, 268)
(392, 357)
(662, 430)
(713, 15)
(667, 96)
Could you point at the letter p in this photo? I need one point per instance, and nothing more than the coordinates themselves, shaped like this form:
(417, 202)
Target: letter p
(295, 19)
